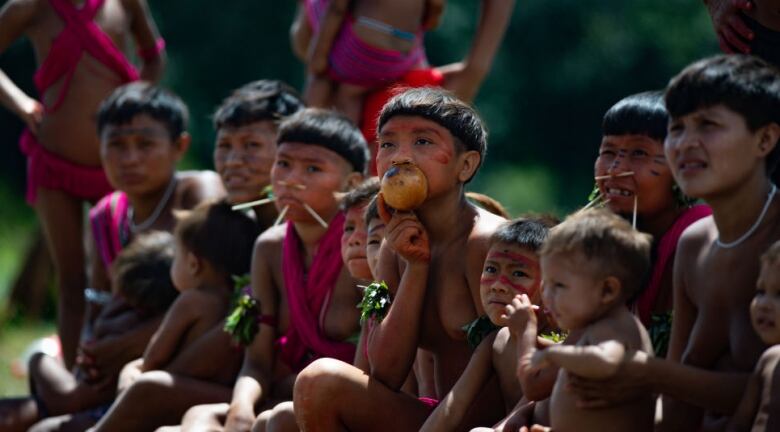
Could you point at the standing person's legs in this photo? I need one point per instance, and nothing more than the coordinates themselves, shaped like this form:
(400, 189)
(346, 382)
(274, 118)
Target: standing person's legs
(331, 395)
(62, 219)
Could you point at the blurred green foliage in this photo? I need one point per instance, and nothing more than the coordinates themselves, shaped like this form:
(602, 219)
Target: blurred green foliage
(562, 64)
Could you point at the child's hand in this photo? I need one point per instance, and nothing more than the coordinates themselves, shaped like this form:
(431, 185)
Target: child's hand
(518, 313)
(239, 421)
(405, 233)
(31, 112)
(433, 13)
(733, 34)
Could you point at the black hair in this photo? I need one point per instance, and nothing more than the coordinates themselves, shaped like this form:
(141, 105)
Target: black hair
(443, 108)
(327, 129)
(130, 100)
(638, 114)
(372, 211)
(745, 84)
(219, 235)
(257, 101)
(526, 232)
(362, 194)
(142, 272)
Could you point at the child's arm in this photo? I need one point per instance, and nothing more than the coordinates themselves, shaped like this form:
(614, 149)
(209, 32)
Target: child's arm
(593, 361)
(745, 415)
(323, 40)
(182, 315)
(151, 48)
(254, 380)
(451, 410)
(393, 343)
(464, 78)
(16, 16)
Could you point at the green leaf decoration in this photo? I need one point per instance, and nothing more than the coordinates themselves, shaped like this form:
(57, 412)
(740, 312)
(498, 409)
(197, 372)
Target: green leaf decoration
(376, 302)
(660, 330)
(267, 192)
(555, 336)
(477, 330)
(241, 323)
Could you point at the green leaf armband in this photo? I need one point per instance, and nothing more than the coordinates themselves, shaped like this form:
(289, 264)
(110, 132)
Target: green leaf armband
(478, 329)
(242, 323)
(376, 302)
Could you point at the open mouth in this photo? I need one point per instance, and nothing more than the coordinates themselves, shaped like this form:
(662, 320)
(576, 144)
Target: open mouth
(691, 166)
(614, 191)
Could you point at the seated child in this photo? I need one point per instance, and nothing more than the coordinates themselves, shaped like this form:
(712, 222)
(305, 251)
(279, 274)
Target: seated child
(358, 46)
(141, 273)
(591, 264)
(511, 268)
(762, 395)
(635, 181)
(431, 261)
(213, 243)
(353, 254)
(143, 135)
(246, 123)
(306, 296)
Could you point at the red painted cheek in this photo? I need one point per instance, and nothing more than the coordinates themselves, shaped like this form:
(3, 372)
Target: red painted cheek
(517, 287)
(443, 156)
(487, 279)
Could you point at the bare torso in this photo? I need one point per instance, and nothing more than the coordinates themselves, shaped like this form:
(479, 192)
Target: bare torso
(505, 365)
(768, 415)
(636, 415)
(720, 284)
(70, 131)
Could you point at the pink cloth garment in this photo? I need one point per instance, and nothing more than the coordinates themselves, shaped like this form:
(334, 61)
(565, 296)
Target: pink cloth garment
(80, 35)
(667, 247)
(47, 170)
(110, 226)
(353, 61)
(307, 295)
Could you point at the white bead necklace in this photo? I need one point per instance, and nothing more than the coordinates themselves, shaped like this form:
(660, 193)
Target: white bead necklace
(753, 228)
(134, 228)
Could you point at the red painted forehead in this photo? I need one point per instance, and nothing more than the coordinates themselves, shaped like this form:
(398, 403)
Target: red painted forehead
(515, 256)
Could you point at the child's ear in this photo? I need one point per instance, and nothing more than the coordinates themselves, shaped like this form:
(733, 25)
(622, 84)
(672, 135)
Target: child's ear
(610, 290)
(469, 161)
(769, 135)
(182, 144)
(353, 180)
(194, 264)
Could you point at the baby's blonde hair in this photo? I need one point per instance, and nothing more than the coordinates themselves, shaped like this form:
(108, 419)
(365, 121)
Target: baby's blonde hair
(608, 243)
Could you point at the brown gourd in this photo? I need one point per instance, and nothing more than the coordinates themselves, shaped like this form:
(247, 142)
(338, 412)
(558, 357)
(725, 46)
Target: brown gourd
(404, 186)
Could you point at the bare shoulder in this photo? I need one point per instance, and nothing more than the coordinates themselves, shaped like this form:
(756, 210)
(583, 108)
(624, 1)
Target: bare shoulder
(769, 358)
(500, 339)
(269, 244)
(198, 186)
(485, 224)
(698, 235)
(622, 327)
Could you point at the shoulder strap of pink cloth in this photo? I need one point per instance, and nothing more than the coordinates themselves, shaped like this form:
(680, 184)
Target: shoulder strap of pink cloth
(110, 229)
(306, 297)
(80, 34)
(666, 250)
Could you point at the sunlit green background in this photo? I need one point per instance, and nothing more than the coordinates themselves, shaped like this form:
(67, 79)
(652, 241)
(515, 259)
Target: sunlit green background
(562, 64)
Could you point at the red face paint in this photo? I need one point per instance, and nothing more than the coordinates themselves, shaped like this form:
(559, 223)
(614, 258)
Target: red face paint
(517, 287)
(530, 263)
(443, 156)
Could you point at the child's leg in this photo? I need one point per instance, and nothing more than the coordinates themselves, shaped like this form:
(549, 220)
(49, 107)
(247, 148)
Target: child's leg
(300, 34)
(61, 216)
(67, 423)
(349, 101)
(279, 419)
(318, 92)
(18, 414)
(58, 390)
(203, 418)
(162, 398)
(331, 395)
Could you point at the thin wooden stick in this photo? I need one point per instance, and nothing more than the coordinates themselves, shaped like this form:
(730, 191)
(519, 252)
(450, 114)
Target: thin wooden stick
(636, 200)
(593, 202)
(281, 215)
(292, 185)
(315, 215)
(609, 176)
(252, 203)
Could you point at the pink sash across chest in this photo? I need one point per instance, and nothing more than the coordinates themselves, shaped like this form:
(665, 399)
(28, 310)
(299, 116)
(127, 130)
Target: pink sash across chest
(79, 35)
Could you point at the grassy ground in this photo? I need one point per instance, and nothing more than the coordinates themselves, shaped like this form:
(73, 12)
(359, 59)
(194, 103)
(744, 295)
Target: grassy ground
(14, 338)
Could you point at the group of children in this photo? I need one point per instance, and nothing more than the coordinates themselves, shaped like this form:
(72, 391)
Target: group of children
(285, 293)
